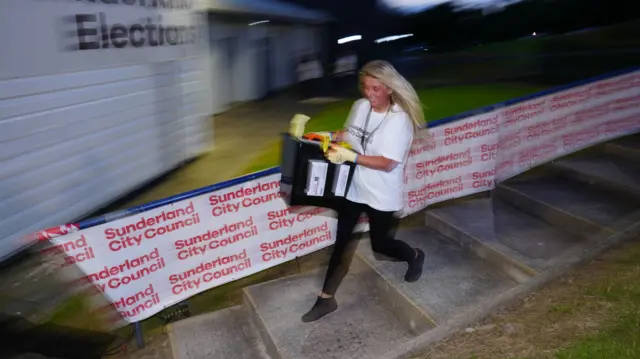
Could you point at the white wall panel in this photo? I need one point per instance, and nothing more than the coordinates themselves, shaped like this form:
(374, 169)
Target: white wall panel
(79, 129)
(240, 80)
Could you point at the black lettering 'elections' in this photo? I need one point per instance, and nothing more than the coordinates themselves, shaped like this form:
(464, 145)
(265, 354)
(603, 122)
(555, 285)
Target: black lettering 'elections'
(119, 35)
(135, 41)
(83, 32)
(94, 32)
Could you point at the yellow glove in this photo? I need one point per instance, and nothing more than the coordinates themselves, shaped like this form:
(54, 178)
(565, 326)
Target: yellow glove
(296, 125)
(338, 155)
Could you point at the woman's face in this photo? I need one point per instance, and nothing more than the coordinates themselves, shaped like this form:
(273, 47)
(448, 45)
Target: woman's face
(373, 90)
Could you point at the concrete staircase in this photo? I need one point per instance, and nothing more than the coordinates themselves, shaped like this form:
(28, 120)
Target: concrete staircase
(483, 252)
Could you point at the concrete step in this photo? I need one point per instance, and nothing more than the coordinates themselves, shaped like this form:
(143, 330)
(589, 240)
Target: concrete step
(227, 334)
(627, 147)
(453, 279)
(520, 244)
(569, 204)
(363, 326)
(609, 171)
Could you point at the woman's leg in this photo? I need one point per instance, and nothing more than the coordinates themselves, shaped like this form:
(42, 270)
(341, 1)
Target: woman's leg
(383, 227)
(343, 250)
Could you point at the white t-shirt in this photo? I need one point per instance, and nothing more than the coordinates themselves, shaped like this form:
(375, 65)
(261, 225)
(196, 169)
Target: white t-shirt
(391, 138)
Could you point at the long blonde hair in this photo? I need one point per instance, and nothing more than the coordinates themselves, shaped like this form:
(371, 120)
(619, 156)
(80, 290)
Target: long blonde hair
(402, 93)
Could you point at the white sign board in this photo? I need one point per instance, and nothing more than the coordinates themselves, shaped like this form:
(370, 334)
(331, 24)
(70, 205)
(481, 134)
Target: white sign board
(52, 36)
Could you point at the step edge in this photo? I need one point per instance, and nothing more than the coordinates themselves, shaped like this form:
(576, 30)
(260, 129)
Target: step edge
(249, 303)
(381, 279)
(359, 266)
(171, 335)
(620, 150)
(606, 183)
(171, 326)
(494, 254)
(418, 345)
(426, 310)
(199, 316)
(522, 201)
(288, 276)
(628, 223)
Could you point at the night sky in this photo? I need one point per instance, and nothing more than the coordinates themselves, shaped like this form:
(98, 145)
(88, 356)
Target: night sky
(362, 16)
(419, 5)
(351, 16)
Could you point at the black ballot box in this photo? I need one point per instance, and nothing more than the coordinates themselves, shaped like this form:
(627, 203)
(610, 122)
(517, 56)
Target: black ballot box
(308, 178)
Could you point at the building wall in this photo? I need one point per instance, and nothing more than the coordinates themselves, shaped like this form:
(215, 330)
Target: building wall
(80, 128)
(238, 76)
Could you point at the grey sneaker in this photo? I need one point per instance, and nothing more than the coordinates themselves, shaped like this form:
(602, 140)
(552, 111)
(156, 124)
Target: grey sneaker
(415, 267)
(322, 307)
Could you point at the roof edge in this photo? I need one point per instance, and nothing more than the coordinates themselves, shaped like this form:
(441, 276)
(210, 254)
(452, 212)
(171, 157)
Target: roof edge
(267, 8)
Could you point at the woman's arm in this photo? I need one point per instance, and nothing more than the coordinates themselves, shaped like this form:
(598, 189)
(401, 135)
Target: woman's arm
(376, 162)
(339, 154)
(341, 135)
(338, 136)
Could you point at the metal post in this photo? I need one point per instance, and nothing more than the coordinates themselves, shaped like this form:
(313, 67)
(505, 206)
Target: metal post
(139, 336)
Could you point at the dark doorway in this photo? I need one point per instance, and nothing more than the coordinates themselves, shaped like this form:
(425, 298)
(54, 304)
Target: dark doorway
(264, 77)
(228, 53)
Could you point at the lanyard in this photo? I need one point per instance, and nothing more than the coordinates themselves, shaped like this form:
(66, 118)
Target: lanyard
(366, 124)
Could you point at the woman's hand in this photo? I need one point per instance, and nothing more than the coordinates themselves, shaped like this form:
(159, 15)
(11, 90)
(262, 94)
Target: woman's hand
(338, 136)
(339, 154)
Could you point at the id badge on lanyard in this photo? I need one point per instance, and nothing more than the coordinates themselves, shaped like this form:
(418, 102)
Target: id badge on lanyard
(364, 140)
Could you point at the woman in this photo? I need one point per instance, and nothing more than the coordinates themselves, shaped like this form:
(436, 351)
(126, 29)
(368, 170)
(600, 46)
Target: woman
(380, 129)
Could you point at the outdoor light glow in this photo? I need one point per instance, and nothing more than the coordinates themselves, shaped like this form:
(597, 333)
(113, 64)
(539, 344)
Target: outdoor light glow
(258, 22)
(534, 34)
(392, 38)
(349, 38)
(413, 6)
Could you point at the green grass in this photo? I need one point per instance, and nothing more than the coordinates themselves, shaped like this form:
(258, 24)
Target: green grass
(439, 103)
(567, 64)
(592, 312)
(619, 341)
(331, 118)
(68, 309)
(619, 338)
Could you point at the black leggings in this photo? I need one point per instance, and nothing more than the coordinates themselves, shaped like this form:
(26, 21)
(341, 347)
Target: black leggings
(382, 228)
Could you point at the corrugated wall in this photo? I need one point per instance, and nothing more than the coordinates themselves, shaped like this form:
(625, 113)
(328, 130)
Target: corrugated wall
(80, 128)
(71, 141)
